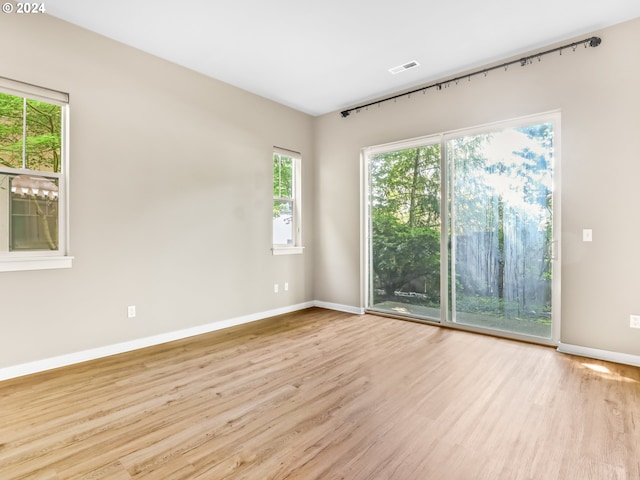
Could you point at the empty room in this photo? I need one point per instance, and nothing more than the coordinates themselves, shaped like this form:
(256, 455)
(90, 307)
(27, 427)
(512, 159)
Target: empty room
(331, 240)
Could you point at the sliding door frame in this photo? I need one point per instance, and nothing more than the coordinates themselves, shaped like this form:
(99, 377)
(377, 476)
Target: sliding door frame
(446, 319)
(366, 225)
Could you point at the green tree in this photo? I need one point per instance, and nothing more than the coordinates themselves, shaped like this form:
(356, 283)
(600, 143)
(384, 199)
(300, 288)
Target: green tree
(405, 216)
(502, 202)
(32, 128)
(282, 185)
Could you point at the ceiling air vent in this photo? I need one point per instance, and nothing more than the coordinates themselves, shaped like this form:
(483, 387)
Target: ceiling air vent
(405, 67)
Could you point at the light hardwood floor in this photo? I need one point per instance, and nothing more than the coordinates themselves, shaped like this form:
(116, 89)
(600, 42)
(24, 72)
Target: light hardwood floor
(326, 395)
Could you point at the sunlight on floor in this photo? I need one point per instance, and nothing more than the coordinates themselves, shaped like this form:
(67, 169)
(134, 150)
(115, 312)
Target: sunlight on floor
(596, 368)
(607, 374)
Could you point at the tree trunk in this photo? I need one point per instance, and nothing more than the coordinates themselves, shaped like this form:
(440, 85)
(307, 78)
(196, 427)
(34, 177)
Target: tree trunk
(414, 187)
(44, 224)
(501, 252)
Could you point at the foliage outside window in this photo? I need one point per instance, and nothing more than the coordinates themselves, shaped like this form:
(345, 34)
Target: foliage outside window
(32, 175)
(286, 203)
(493, 240)
(405, 227)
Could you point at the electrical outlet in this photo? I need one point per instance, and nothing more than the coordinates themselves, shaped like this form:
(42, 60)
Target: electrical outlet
(131, 311)
(634, 321)
(286, 286)
(587, 235)
(275, 288)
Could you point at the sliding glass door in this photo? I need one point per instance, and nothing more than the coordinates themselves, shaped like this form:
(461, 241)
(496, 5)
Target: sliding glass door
(405, 229)
(475, 248)
(501, 207)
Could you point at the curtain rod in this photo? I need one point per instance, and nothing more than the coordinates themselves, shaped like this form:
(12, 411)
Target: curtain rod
(587, 42)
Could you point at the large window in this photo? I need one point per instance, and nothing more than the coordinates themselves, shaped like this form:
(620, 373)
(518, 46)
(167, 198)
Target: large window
(32, 177)
(463, 228)
(287, 237)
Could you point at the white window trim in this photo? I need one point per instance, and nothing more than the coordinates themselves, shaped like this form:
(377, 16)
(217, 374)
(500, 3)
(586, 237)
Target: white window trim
(284, 250)
(297, 248)
(44, 260)
(19, 264)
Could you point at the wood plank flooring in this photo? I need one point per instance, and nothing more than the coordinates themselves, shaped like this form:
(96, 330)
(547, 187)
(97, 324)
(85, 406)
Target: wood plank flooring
(326, 395)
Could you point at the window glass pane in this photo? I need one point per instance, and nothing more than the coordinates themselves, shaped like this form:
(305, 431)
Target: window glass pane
(11, 130)
(34, 213)
(405, 231)
(282, 176)
(282, 222)
(31, 141)
(502, 229)
(43, 128)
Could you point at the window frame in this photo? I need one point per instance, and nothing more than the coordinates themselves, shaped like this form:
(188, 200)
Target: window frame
(296, 202)
(42, 259)
(553, 117)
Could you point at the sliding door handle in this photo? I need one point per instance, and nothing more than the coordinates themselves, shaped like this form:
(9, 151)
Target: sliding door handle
(553, 250)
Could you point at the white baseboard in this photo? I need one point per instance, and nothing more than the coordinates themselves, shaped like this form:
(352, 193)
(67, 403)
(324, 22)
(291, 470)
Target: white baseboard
(338, 307)
(108, 350)
(607, 355)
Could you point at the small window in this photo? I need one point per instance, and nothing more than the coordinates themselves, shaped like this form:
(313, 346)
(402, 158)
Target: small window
(286, 202)
(32, 177)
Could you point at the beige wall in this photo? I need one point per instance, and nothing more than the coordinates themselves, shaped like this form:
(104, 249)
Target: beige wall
(597, 91)
(170, 198)
(170, 190)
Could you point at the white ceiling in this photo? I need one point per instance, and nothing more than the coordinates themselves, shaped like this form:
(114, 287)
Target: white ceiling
(322, 56)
